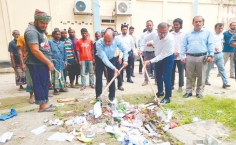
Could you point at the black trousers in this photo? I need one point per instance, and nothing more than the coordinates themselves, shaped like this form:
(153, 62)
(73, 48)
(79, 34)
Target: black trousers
(132, 70)
(129, 67)
(180, 66)
(140, 64)
(99, 71)
(119, 78)
(72, 71)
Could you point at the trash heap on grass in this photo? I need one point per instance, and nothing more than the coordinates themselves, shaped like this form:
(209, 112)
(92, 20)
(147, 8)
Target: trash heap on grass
(130, 124)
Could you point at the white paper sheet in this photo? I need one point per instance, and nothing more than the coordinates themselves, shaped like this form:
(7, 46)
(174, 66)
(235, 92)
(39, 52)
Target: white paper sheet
(5, 137)
(61, 137)
(39, 130)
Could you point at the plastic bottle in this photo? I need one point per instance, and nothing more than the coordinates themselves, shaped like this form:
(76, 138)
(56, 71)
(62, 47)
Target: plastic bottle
(126, 140)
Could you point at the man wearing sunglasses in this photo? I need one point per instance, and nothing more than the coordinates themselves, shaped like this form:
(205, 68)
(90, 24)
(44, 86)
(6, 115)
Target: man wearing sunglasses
(163, 44)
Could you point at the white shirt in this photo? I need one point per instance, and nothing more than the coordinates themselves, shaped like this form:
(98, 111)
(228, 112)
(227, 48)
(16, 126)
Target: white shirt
(163, 48)
(219, 39)
(143, 46)
(179, 37)
(128, 40)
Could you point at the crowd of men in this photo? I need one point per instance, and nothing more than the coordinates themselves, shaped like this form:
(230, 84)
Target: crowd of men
(44, 64)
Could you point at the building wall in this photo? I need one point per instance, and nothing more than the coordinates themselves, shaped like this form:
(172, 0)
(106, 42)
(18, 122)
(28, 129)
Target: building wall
(16, 15)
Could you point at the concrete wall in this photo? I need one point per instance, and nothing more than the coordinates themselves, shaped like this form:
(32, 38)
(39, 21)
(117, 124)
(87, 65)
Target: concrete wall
(15, 14)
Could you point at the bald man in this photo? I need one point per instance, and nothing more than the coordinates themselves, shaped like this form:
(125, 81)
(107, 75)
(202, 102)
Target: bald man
(106, 48)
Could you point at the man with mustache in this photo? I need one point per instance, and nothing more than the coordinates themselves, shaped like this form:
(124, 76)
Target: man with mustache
(39, 59)
(199, 46)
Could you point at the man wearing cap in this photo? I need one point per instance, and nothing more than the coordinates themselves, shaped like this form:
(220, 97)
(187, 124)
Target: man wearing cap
(38, 59)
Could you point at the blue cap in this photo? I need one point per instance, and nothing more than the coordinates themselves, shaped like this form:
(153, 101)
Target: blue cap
(103, 31)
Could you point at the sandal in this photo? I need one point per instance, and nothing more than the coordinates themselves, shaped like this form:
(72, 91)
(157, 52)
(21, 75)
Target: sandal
(74, 87)
(63, 90)
(50, 108)
(82, 88)
(93, 86)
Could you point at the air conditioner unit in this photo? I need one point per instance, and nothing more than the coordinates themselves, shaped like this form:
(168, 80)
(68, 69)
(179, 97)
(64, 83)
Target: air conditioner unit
(82, 7)
(123, 8)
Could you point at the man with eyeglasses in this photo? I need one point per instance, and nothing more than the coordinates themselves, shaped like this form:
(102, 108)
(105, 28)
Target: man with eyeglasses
(163, 43)
(199, 46)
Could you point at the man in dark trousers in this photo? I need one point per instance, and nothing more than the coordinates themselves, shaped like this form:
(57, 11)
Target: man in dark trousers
(106, 48)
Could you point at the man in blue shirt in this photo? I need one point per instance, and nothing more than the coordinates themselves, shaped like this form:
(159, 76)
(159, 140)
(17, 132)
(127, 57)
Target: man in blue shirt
(199, 46)
(106, 48)
(232, 43)
(228, 51)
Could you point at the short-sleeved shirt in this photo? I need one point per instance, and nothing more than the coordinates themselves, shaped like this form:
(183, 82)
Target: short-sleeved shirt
(69, 51)
(227, 47)
(85, 48)
(21, 43)
(12, 48)
(33, 36)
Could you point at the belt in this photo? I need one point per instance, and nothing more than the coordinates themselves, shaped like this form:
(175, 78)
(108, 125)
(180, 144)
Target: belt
(197, 54)
(217, 52)
(149, 51)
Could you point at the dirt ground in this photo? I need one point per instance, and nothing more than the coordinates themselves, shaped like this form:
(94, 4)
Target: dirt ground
(28, 117)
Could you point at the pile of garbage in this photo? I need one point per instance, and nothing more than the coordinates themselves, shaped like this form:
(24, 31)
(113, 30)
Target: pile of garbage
(130, 124)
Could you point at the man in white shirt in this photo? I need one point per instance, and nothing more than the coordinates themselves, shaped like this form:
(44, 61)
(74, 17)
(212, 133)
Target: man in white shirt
(178, 35)
(147, 50)
(163, 42)
(218, 56)
(131, 32)
(128, 40)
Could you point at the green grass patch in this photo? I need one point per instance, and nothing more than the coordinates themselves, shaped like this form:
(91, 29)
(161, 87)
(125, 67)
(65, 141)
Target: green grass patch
(137, 98)
(68, 110)
(14, 102)
(220, 109)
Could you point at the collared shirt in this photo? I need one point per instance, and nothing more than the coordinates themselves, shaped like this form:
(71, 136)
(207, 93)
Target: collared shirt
(179, 37)
(233, 40)
(198, 42)
(163, 48)
(227, 47)
(12, 48)
(143, 46)
(128, 40)
(218, 39)
(105, 53)
(58, 54)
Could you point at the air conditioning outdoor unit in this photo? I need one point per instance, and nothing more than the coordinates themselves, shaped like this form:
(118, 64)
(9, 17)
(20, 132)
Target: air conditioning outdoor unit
(82, 7)
(124, 8)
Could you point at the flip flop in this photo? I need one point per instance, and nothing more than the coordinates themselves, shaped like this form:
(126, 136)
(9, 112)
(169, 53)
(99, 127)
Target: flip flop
(63, 90)
(48, 109)
(82, 88)
(74, 87)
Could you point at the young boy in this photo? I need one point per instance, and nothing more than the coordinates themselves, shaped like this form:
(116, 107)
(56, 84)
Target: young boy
(84, 47)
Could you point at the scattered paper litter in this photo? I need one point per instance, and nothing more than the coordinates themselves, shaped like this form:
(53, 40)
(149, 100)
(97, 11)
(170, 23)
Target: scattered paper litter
(97, 110)
(61, 137)
(39, 130)
(5, 137)
(55, 122)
